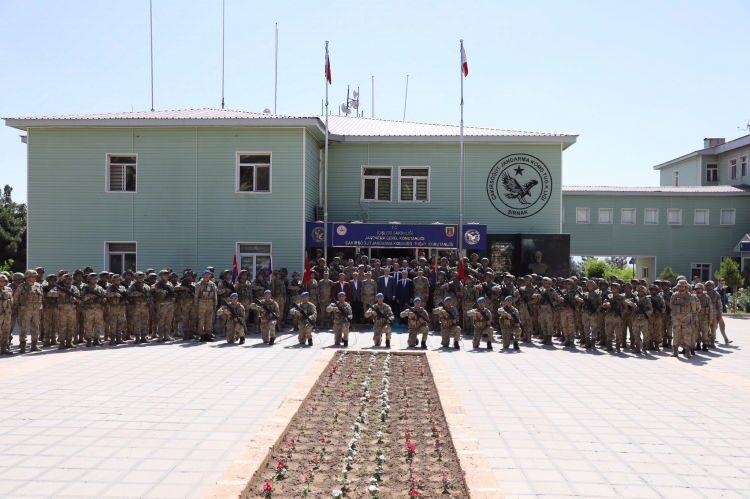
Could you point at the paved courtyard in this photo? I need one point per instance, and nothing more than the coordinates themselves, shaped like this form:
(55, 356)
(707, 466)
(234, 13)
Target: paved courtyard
(165, 420)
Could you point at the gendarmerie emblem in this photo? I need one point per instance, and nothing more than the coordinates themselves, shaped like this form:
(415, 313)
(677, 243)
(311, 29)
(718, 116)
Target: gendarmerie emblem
(519, 185)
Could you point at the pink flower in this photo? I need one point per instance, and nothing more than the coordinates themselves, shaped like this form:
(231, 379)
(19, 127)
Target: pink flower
(411, 447)
(280, 464)
(267, 487)
(414, 493)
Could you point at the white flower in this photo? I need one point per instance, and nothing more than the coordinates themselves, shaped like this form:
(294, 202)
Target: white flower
(337, 493)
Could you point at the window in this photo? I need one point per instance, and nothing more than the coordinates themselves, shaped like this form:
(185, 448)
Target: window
(253, 257)
(645, 273)
(627, 216)
(674, 216)
(376, 183)
(605, 215)
(676, 179)
(733, 169)
(727, 216)
(712, 172)
(701, 271)
(651, 216)
(414, 184)
(121, 172)
(120, 257)
(743, 166)
(700, 216)
(253, 172)
(582, 216)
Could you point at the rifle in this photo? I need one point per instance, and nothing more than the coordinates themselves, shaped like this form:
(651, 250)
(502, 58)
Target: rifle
(266, 309)
(87, 290)
(344, 314)
(139, 287)
(304, 315)
(656, 304)
(72, 295)
(642, 310)
(422, 317)
(240, 320)
(380, 314)
(589, 304)
(163, 286)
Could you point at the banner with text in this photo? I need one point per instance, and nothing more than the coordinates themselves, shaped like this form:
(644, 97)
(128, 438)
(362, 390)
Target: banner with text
(396, 235)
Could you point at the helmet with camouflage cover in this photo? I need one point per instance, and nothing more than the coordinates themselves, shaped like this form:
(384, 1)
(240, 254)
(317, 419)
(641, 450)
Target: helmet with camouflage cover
(30, 273)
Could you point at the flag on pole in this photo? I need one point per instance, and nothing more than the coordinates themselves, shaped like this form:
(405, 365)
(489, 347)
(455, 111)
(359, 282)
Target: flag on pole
(461, 271)
(328, 66)
(464, 62)
(307, 276)
(433, 274)
(235, 269)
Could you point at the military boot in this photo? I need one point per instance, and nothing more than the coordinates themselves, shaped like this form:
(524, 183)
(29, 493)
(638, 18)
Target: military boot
(489, 345)
(515, 345)
(242, 340)
(23, 348)
(388, 343)
(34, 347)
(270, 342)
(346, 343)
(456, 345)
(309, 341)
(424, 345)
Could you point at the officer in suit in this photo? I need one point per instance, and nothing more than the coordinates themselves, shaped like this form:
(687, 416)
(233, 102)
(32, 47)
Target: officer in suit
(404, 292)
(355, 287)
(387, 286)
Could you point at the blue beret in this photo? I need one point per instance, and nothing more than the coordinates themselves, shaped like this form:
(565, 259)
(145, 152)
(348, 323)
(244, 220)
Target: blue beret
(233, 295)
(449, 297)
(341, 293)
(379, 295)
(304, 293)
(417, 299)
(480, 299)
(207, 272)
(267, 292)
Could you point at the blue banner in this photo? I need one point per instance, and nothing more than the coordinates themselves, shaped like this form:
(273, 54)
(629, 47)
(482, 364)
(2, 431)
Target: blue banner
(396, 235)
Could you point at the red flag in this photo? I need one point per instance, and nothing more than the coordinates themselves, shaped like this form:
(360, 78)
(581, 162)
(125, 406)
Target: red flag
(464, 62)
(328, 66)
(235, 269)
(307, 276)
(461, 271)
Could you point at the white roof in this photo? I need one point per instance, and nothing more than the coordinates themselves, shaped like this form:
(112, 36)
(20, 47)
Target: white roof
(737, 143)
(723, 190)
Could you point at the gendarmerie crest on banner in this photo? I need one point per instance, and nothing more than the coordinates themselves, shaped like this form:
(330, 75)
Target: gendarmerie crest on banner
(519, 185)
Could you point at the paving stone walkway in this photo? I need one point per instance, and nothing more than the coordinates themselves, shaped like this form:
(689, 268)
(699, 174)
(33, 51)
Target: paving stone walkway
(166, 420)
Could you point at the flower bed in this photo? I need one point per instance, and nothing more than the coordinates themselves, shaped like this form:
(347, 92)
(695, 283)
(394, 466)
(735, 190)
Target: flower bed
(372, 426)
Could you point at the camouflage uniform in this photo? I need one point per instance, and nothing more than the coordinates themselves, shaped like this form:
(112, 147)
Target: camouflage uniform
(640, 321)
(28, 298)
(114, 313)
(342, 317)
(49, 315)
(510, 324)
(369, 290)
(6, 315)
(305, 325)
(234, 313)
(139, 295)
(656, 328)
(481, 318)
(67, 297)
(184, 310)
(418, 324)
(164, 297)
(704, 319)
(382, 316)
(244, 290)
(324, 299)
(568, 317)
(614, 305)
(548, 300)
(591, 302)
(205, 301)
(268, 310)
(449, 318)
(683, 307)
(92, 303)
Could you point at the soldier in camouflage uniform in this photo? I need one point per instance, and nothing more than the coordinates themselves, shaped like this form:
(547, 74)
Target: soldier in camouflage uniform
(640, 320)
(244, 290)
(369, 290)
(205, 301)
(139, 296)
(567, 312)
(115, 320)
(467, 302)
(591, 302)
(305, 315)
(49, 312)
(510, 323)
(280, 293)
(268, 310)
(481, 318)
(421, 287)
(67, 297)
(342, 318)
(382, 316)
(28, 298)
(418, 323)
(613, 305)
(703, 317)
(17, 280)
(184, 310)
(717, 321)
(683, 307)
(92, 303)
(525, 302)
(449, 318)
(164, 297)
(666, 290)
(234, 313)
(6, 314)
(548, 300)
(656, 327)
(324, 299)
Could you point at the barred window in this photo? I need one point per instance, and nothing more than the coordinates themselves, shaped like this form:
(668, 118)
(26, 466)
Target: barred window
(414, 184)
(121, 170)
(376, 183)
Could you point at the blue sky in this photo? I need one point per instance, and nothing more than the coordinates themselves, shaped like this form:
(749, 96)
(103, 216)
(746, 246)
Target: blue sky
(641, 82)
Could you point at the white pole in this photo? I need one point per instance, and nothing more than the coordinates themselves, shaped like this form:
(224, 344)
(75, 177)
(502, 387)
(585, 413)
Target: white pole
(372, 111)
(325, 175)
(461, 165)
(406, 95)
(276, 71)
(222, 52)
(151, 43)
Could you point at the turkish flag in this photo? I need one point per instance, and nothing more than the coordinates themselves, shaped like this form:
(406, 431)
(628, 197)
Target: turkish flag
(461, 271)
(307, 276)
(464, 62)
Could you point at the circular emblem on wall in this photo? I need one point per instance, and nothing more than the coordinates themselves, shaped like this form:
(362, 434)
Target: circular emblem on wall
(472, 237)
(519, 185)
(317, 234)
(341, 230)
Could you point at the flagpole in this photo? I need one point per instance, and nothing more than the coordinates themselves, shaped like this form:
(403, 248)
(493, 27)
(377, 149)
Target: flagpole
(151, 45)
(276, 70)
(325, 172)
(461, 165)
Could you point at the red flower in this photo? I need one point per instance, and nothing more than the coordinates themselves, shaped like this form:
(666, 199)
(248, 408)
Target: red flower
(411, 447)
(267, 486)
(414, 493)
(280, 464)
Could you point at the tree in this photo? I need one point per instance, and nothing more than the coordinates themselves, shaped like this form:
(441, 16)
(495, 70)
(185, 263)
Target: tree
(12, 231)
(730, 272)
(594, 268)
(667, 274)
(617, 261)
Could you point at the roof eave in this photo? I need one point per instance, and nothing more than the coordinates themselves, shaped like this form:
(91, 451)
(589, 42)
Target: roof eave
(653, 193)
(565, 140)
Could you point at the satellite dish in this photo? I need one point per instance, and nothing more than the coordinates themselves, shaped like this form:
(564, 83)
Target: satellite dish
(355, 95)
(266, 111)
(345, 109)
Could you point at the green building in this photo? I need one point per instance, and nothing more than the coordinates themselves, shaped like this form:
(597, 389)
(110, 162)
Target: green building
(197, 187)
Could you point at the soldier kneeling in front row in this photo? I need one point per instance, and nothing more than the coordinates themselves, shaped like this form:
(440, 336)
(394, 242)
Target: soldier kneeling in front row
(269, 316)
(382, 316)
(510, 323)
(419, 321)
(234, 315)
(449, 317)
(305, 315)
(342, 318)
(481, 318)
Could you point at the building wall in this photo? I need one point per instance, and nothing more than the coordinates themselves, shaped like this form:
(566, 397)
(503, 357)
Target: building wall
(676, 246)
(312, 175)
(690, 173)
(723, 161)
(346, 161)
(185, 211)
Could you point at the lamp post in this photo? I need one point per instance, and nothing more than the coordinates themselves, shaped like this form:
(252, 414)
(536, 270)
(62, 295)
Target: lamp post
(632, 262)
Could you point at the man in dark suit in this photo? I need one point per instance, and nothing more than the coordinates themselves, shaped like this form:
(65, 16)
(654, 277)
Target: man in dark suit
(355, 285)
(342, 285)
(404, 293)
(387, 286)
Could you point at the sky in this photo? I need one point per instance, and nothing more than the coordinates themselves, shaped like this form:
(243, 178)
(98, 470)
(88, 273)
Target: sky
(640, 81)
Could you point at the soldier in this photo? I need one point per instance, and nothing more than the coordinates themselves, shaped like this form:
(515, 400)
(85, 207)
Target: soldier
(640, 321)
(305, 315)
(68, 297)
(548, 300)
(568, 313)
(481, 318)
(92, 302)
(244, 291)
(234, 312)
(205, 301)
(17, 280)
(49, 312)
(468, 299)
(666, 290)
(704, 317)
(78, 282)
(628, 290)
(139, 296)
(324, 299)
(510, 323)
(717, 321)
(115, 321)
(342, 317)
(28, 298)
(6, 314)
(127, 279)
(164, 297)
(151, 279)
(438, 294)
(449, 318)
(683, 307)
(591, 302)
(418, 323)
(656, 327)
(184, 310)
(268, 310)
(421, 286)
(369, 290)
(224, 287)
(383, 317)
(279, 289)
(614, 326)
(526, 298)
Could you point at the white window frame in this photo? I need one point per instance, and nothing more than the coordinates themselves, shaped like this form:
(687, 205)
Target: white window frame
(377, 178)
(743, 166)
(672, 210)
(429, 175)
(605, 210)
(692, 268)
(255, 176)
(107, 173)
(122, 253)
(713, 167)
(708, 216)
(635, 216)
(676, 178)
(733, 169)
(251, 271)
(721, 216)
(588, 215)
(656, 210)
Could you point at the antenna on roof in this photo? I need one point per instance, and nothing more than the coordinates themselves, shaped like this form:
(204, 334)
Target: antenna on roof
(222, 52)
(350, 103)
(406, 95)
(151, 45)
(746, 127)
(372, 110)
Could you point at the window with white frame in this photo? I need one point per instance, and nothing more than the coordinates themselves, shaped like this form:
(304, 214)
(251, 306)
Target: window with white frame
(743, 166)
(120, 257)
(676, 178)
(253, 172)
(605, 215)
(700, 216)
(700, 271)
(712, 172)
(627, 216)
(651, 216)
(582, 216)
(414, 183)
(121, 171)
(727, 216)
(376, 183)
(674, 216)
(254, 257)
(733, 168)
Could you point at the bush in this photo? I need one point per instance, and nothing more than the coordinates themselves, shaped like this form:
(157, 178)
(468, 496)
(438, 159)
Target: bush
(730, 272)
(667, 274)
(7, 265)
(596, 268)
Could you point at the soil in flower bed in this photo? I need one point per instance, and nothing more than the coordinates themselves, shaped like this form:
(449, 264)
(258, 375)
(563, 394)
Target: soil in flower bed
(372, 426)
